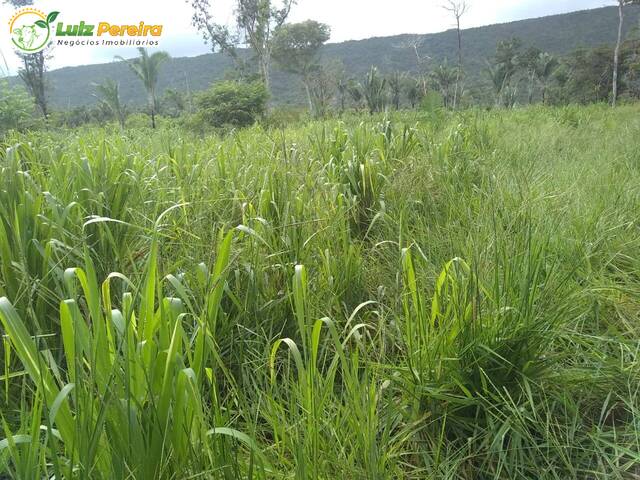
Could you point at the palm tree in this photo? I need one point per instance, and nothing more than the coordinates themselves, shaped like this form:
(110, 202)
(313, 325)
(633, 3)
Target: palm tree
(396, 81)
(375, 89)
(147, 69)
(414, 91)
(109, 93)
(444, 77)
(546, 64)
(355, 92)
(499, 79)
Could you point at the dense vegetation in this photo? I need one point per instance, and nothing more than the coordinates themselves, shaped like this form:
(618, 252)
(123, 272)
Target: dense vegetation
(559, 35)
(420, 295)
(408, 278)
(234, 104)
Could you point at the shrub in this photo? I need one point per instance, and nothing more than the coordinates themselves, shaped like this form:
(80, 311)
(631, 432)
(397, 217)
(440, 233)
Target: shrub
(143, 120)
(16, 108)
(432, 101)
(281, 117)
(233, 104)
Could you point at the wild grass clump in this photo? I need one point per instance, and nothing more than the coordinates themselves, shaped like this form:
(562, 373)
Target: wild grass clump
(453, 296)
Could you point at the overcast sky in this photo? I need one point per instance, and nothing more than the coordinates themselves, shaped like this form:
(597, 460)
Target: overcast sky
(349, 20)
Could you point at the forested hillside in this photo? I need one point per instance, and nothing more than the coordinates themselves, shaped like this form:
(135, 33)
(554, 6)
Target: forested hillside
(558, 34)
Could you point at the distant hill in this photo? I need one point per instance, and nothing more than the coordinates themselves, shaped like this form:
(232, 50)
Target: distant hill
(558, 34)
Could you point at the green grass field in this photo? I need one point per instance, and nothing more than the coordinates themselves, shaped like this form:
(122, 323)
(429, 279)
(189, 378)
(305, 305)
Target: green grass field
(444, 296)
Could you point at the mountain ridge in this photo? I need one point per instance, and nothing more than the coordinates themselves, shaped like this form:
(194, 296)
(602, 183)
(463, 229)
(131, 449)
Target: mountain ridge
(558, 34)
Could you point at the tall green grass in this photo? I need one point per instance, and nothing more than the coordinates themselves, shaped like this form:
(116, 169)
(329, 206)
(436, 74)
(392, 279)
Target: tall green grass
(451, 296)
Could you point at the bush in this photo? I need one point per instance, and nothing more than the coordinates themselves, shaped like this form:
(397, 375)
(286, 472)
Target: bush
(285, 116)
(232, 103)
(142, 120)
(16, 108)
(75, 117)
(432, 101)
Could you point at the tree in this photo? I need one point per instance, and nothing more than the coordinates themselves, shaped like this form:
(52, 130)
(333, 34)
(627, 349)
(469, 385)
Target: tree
(32, 74)
(147, 68)
(556, 92)
(415, 44)
(444, 79)
(396, 82)
(632, 65)
(355, 92)
(174, 102)
(545, 67)
(342, 86)
(616, 54)
(217, 36)
(505, 65)
(528, 61)
(508, 54)
(322, 86)
(34, 66)
(236, 104)
(457, 8)
(590, 77)
(256, 22)
(496, 74)
(414, 91)
(109, 95)
(375, 91)
(296, 49)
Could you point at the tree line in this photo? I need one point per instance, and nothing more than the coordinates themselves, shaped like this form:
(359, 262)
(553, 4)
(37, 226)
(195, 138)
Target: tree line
(515, 74)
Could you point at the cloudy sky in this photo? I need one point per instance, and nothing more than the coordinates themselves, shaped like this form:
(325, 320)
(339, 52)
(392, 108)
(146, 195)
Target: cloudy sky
(349, 20)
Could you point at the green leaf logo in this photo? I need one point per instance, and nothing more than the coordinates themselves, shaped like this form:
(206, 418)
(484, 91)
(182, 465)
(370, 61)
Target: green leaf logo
(52, 16)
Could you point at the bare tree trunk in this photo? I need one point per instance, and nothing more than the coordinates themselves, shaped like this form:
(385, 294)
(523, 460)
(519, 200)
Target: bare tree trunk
(531, 87)
(152, 105)
(500, 96)
(266, 74)
(616, 57)
(455, 95)
(41, 95)
(186, 81)
(308, 92)
(457, 8)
